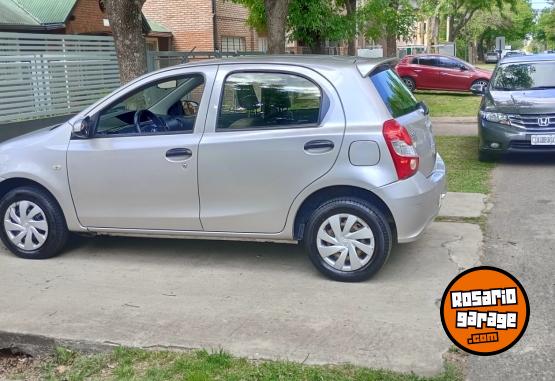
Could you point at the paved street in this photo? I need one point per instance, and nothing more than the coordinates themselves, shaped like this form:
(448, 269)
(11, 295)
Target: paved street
(521, 239)
(256, 300)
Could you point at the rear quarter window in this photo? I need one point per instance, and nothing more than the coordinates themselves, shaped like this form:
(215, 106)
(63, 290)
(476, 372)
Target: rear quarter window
(398, 99)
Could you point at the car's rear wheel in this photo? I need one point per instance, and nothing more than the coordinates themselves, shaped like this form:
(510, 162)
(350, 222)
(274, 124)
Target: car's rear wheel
(33, 225)
(409, 83)
(348, 239)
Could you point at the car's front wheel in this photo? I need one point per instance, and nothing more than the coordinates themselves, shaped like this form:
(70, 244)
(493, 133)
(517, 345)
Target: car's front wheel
(348, 239)
(33, 225)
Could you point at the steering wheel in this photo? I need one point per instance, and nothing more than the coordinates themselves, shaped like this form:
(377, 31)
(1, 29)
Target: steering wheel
(158, 122)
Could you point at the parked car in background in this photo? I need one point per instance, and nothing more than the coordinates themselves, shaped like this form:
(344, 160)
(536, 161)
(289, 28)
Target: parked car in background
(334, 153)
(517, 113)
(491, 57)
(438, 72)
(513, 53)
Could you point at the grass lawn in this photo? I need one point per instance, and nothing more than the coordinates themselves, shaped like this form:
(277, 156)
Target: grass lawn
(464, 172)
(443, 103)
(133, 364)
(486, 66)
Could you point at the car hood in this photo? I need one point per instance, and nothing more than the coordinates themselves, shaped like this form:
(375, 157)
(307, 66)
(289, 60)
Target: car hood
(523, 102)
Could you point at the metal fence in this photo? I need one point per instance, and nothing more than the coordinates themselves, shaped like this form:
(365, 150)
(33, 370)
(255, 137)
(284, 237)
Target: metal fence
(47, 75)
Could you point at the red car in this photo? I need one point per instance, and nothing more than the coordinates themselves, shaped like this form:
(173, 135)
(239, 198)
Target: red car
(437, 72)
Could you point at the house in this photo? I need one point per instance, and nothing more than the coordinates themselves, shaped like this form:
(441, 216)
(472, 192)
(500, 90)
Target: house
(206, 25)
(71, 17)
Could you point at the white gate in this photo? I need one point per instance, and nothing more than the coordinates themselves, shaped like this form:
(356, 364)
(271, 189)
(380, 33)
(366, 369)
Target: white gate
(47, 75)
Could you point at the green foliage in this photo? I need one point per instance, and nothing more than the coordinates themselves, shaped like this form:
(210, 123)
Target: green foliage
(377, 18)
(544, 31)
(314, 21)
(515, 23)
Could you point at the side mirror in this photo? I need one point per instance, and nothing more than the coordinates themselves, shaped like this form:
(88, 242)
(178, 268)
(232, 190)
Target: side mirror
(82, 129)
(424, 108)
(478, 89)
(463, 68)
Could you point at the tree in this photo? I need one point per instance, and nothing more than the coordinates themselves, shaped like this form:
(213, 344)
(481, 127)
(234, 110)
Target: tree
(544, 30)
(276, 21)
(462, 11)
(126, 21)
(514, 23)
(315, 21)
(269, 16)
(388, 19)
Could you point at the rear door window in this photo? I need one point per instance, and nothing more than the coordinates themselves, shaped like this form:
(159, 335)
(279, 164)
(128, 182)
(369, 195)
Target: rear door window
(428, 61)
(260, 100)
(398, 99)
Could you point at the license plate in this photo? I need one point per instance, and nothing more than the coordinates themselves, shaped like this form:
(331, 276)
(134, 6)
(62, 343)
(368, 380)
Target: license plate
(542, 140)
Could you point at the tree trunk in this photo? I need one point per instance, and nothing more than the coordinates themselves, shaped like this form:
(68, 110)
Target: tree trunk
(127, 27)
(276, 21)
(390, 45)
(351, 7)
(391, 36)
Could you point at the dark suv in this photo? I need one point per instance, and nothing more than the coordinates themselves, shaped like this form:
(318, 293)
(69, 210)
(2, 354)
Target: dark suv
(517, 113)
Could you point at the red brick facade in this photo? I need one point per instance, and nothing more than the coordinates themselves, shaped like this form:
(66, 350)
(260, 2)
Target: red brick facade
(87, 18)
(194, 24)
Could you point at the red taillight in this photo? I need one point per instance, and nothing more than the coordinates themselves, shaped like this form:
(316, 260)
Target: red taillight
(401, 149)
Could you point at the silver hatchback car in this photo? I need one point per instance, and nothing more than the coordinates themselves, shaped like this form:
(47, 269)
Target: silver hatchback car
(334, 153)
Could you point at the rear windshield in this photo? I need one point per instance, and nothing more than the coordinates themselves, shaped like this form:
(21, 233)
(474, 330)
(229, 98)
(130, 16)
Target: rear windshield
(524, 76)
(398, 99)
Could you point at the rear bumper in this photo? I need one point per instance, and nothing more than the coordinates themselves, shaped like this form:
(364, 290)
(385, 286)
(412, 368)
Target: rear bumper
(415, 202)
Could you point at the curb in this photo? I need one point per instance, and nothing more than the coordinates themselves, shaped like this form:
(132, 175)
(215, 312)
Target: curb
(39, 346)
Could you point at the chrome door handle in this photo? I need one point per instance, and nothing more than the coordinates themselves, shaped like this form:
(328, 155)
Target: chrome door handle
(179, 154)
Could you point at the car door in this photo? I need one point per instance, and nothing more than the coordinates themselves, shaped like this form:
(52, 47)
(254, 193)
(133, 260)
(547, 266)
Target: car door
(428, 72)
(275, 129)
(454, 75)
(143, 177)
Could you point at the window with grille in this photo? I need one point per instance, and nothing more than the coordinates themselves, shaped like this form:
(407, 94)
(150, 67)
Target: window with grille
(233, 44)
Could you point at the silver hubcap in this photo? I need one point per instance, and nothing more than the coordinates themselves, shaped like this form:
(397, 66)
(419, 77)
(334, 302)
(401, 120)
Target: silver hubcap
(26, 225)
(482, 83)
(345, 242)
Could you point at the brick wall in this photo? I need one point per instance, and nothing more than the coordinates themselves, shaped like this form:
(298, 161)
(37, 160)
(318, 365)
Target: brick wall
(231, 22)
(190, 21)
(87, 19)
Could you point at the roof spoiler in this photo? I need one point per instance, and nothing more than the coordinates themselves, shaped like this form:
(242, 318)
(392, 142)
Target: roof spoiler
(368, 66)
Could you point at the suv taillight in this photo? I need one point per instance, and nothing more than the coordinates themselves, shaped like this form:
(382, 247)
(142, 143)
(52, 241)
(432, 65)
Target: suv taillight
(401, 149)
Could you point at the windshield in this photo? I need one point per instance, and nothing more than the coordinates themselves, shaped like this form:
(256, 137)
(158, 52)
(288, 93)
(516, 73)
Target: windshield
(524, 76)
(398, 99)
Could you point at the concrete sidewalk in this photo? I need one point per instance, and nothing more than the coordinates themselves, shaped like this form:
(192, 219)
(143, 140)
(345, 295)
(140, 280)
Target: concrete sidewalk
(455, 126)
(254, 300)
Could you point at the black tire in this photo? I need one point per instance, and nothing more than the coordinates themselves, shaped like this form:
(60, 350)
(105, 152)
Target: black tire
(409, 83)
(57, 228)
(367, 212)
(487, 157)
